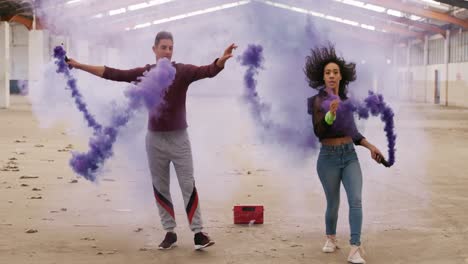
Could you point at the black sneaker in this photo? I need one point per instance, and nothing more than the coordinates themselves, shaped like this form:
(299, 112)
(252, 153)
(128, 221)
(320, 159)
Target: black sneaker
(202, 241)
(169, 241)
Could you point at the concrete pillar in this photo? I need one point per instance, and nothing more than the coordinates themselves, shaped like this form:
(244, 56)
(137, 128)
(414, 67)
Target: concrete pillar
(396, 65)
(4, 64)
(112, 57)
(37, 54)
(426, 50)
(100, 54)
(79, 50)
(425, 63)
(409, 89)
(446, 61)
(82, 51)
(375, 82)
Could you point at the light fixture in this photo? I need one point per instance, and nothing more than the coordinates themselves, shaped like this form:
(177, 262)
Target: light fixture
(72, 2)
(394, 13)
(117, 11)
(321, 15)
(194, 13)
(147, 24)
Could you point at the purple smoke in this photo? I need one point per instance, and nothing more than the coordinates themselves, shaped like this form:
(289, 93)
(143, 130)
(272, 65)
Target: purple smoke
(373, 104)
(149, 92)
(376, 105)
(253, 59)
(62, 67)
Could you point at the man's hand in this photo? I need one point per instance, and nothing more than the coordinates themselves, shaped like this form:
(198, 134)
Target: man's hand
(227, 55)
(73, 63)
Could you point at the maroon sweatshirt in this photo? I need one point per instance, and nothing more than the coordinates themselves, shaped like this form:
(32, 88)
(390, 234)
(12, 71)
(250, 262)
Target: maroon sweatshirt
(174, 115)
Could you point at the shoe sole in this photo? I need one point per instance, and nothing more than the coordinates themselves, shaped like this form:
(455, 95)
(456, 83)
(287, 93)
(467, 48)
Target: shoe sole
(349, 261)
(200, 247)
(171, 247)
(328, 250)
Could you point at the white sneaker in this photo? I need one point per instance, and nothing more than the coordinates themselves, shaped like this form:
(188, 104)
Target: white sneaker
(355, 255)
(330, 246)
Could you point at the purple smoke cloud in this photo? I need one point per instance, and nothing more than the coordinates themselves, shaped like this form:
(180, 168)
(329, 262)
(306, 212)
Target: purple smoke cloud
(374, 103)
(253, 59)
(62, 67)
(149, 92)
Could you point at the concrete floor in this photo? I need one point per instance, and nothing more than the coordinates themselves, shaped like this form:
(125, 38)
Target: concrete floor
(414, 212)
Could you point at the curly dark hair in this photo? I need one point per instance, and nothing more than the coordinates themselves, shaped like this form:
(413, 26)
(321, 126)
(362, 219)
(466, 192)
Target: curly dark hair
(315, 66)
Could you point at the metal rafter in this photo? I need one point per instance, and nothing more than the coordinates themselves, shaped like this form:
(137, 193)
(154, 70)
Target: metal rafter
(459, 3)
(401, 20)
(364, 19)
(417, 10)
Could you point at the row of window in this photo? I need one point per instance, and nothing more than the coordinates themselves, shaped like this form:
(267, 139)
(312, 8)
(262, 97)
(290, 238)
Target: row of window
(458, 51)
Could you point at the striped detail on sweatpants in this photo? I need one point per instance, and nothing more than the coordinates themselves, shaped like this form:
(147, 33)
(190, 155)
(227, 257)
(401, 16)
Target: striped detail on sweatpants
(192, 205)
(163, 202)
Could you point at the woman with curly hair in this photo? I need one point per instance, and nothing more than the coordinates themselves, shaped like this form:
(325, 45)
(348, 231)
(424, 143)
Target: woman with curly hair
(334, 125)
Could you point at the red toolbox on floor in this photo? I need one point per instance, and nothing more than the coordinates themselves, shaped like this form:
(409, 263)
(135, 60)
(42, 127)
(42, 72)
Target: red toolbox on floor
(248, 214)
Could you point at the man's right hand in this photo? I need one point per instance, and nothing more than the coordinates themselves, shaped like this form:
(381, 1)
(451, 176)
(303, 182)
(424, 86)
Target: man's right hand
(73, 63)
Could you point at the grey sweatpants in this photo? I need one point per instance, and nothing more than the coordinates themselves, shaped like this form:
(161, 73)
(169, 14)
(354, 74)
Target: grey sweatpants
(162, 148)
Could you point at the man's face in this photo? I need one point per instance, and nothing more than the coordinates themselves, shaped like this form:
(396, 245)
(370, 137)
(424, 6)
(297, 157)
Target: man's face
(163, 49)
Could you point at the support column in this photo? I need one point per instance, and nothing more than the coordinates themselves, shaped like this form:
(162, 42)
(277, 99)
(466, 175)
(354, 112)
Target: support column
(36, 58)
(375, 82)
(80, 52)
(112, 57)
(396, 64)
(4, 65)
(425, 63)
(446, 61)
(409, 90)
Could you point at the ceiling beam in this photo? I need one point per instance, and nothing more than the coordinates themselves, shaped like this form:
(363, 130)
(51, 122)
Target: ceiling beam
(417, 10)
(23, 20)
(379, 39)
(431, 29)
(459, 3)
(27, 22)
(425, 26)
(363, 18)
(398, 30)
(151, 14)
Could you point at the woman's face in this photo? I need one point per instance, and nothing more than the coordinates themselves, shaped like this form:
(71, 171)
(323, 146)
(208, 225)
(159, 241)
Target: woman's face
(332, 76)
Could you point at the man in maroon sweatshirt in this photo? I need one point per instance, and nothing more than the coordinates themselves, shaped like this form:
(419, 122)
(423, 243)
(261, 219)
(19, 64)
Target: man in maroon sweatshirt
(167, 139)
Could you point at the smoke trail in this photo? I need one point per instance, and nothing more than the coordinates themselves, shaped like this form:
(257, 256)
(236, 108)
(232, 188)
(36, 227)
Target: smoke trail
(376, 105)
(149, 92)
(62, 67)
(253, 58)
(373, 104)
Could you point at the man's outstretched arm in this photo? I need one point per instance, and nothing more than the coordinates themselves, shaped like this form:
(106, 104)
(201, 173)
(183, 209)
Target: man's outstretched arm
(208, 71)
(95, 70)
(110, 73)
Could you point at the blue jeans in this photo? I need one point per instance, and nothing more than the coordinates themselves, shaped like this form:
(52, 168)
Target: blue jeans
(338, 164)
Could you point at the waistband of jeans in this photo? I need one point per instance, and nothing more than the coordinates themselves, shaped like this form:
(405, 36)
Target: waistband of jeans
(338, 148)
